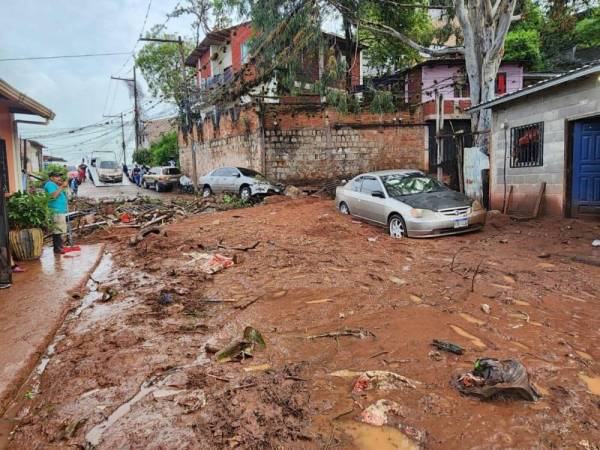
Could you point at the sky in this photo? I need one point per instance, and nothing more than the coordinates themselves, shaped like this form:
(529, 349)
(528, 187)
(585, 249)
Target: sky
(80, 90)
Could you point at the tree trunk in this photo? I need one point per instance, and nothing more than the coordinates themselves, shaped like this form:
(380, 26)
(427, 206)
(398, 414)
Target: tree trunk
(348, 52)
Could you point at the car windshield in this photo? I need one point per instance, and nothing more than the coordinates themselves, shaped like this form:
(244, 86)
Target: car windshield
(251, 173)
(171, 171)
(398, 185)
(109, 165)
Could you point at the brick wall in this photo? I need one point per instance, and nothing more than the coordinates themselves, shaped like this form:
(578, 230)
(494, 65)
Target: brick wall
(304, 144)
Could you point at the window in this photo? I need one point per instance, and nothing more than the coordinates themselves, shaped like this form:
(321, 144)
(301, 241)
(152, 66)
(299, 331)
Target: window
(527, 145)
(171, 171)
(355, 184)
(219, 172)
(501, 83)
(370, 185)
(245, 50)
(230, 172)
(461, 87)
(109, 165)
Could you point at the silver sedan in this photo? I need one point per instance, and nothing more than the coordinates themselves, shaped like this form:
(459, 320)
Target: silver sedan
(409, 203)
(237, 180)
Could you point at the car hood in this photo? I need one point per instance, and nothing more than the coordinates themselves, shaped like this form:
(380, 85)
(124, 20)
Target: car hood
(436, 200)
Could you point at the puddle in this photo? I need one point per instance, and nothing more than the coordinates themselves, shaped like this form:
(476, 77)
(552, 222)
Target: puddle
(593, 383)
(369, 437)
(584, 355)
(470, 318)
(474, 339)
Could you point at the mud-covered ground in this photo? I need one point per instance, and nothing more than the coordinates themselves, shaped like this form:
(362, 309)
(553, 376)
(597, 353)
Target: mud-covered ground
(133, 372)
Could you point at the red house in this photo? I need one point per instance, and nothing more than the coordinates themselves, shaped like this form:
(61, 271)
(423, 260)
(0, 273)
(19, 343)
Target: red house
(222, 53)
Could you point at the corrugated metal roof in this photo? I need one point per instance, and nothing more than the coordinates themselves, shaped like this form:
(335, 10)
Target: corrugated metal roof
(580, 72)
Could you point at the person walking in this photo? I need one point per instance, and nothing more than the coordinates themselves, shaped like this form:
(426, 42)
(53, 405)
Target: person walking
(56, 187)
(137, 176)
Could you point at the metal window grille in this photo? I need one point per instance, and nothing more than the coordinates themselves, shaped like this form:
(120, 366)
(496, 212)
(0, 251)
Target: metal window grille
(527, 149)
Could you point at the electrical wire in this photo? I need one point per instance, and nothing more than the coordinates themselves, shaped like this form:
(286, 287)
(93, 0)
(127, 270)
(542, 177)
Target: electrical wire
(87, 55)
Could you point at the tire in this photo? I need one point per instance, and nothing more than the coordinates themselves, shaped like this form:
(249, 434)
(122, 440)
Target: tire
(206, 191)
(343, 207)
(397, 226)
(245, 193)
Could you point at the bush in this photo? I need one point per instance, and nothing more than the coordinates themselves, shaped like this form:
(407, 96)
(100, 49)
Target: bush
(524, 45)
(160, 152)
(29, 211)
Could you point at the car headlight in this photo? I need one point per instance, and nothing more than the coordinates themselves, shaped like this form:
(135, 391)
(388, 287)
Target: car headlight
(476, 206)
(417, 212)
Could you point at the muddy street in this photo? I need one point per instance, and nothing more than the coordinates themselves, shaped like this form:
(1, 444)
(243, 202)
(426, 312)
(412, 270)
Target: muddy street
(332, 298)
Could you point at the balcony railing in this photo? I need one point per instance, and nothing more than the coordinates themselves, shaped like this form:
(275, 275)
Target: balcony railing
(218, 79)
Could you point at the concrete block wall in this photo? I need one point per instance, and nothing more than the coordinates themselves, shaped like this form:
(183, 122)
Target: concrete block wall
(554, 107)
(303, 145)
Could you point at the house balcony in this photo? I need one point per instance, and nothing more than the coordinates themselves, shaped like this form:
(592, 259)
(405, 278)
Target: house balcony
(217, 80)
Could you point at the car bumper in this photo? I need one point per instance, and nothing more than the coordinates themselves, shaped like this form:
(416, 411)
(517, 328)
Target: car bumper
(266, 190)
(111, 179)
(424, 228)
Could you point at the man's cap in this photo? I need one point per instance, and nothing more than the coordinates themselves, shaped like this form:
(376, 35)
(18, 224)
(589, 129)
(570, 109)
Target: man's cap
(55, 174)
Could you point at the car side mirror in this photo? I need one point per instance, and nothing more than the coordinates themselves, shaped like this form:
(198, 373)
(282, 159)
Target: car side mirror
(237, 175)
(377, 194)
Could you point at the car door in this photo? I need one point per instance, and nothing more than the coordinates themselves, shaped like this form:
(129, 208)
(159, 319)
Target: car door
(372, 207)
(352, 193)
(216, 180)
(231, 180)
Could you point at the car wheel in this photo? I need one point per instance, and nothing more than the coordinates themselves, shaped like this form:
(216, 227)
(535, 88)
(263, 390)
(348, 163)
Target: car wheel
(397, 226)
(245, 193)
(206, 191)
(344, 208)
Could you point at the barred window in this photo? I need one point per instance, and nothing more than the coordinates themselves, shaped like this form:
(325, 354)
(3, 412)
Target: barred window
(527, 149)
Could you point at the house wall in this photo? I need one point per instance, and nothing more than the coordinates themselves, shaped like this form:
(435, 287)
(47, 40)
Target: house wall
(554, 107)
(238, 37)
(223, 58)
(441, 77)
(308, 145)
(8, 135)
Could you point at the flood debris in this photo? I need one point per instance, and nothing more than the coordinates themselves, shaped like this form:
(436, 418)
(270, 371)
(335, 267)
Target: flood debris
(210, 263)
(388, 413)
(358, 333)
(448, 347)
(108, 293)
(165, 298)
(491, 378)
(243, 348)
(381, 380)
(486, 308)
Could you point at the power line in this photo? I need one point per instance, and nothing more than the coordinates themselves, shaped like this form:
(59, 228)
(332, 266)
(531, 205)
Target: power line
(86, 55)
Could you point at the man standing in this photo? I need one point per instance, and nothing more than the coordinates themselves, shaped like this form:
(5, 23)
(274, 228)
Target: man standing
(137, 177)
(56, 187)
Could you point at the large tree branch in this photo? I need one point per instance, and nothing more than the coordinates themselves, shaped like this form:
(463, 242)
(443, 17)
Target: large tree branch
(505, 13)
(385, 29)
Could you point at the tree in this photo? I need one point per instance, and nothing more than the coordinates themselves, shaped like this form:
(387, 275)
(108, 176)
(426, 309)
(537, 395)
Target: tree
(160, 153)
(160, 63)
(524, 45)
(587, 31)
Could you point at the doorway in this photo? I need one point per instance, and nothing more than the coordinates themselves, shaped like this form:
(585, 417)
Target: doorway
(5, 272)
(585, 181)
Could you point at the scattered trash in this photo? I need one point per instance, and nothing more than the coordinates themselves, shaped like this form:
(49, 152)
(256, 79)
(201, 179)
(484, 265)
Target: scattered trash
(293, 192)
(382, 380)
(141, 235)
(398, 281)
(386, 412)
(345, 373)
(491, 377)
(359, 333)
(108, 294)
(165, 298)
(448, 347)
(485, 308)
(243, 348)
(315, 302)
(217, 263)
(191, 401)
(596, 243)
(257, 368)
(435, 355)
(372, 239)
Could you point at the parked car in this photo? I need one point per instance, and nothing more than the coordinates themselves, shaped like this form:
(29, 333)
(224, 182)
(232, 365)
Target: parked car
(409, 203)
(237, 180)
(109, 171)
(161, 178)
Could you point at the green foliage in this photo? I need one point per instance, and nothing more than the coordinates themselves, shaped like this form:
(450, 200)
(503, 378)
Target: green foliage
(386, 54)
(160, 152)
(45, 173)
(235, 202)
(383, 102)
(29, 211)
(160, 63)
(524, 45)
(587, 31)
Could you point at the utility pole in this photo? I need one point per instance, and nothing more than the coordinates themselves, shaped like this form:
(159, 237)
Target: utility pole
(186, 102)
(122, 137)
(136, 119)
(439, 129)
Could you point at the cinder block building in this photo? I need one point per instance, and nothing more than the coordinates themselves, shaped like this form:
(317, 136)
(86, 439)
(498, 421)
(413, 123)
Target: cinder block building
(548, 133)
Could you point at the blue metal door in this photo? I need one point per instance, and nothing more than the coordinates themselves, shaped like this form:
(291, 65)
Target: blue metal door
(586, 168)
